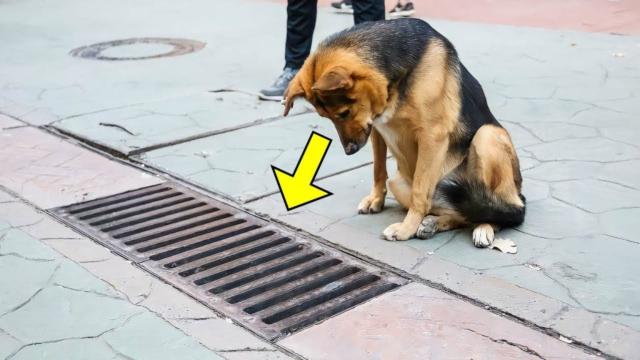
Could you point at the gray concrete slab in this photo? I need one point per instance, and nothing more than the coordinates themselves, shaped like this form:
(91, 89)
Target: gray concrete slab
(48, 306)
(238, 164)
(42, 83)
(564, 258)
(158, 123)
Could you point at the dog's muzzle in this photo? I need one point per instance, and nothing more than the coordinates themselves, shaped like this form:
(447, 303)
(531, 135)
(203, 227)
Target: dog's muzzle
(351, 148)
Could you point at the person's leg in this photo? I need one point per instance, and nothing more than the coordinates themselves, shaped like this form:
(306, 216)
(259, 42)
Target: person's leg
(367, 10)
(301, 21)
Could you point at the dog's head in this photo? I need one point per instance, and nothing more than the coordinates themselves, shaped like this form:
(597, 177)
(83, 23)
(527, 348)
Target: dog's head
(343, 89)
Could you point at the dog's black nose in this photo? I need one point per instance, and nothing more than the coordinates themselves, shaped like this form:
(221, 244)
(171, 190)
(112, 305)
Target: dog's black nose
(351, 148)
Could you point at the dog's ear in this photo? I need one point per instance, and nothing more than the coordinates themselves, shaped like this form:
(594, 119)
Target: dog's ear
(294, 90)
(336, 79)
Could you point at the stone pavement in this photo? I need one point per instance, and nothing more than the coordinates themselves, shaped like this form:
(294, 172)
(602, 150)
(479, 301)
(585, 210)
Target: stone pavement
(568, 98)
(91, 304)
(50, 299)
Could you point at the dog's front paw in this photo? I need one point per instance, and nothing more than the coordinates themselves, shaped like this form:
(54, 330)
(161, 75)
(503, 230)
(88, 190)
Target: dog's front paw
(398, 232)
(371, 204)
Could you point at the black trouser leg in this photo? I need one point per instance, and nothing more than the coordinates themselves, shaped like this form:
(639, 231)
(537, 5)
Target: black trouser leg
(367, 10)
(301, 21)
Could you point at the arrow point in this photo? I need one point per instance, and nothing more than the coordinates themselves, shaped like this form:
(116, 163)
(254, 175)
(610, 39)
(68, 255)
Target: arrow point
(297, 192)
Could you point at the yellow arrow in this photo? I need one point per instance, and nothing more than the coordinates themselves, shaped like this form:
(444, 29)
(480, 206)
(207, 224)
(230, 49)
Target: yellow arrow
(298, 189)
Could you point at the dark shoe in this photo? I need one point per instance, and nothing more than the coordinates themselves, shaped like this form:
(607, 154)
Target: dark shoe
(343, 6)
(400, 10)
(276, 91)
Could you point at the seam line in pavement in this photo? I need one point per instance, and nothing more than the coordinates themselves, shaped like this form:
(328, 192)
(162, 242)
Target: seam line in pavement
(205, 134)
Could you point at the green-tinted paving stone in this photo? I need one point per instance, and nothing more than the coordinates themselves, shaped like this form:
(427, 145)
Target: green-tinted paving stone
(140, 336)
(51, 308)
(73, 349)
(239, 163)
(16, 242)
(154, 123)
(21, 279)
(57, 313)
(72, 276)
(8, 345)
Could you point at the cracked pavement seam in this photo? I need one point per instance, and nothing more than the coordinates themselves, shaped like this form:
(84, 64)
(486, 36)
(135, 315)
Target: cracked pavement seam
(99, 335)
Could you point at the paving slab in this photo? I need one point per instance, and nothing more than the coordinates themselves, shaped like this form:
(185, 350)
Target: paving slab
(31, 242)
(136, 128)
(418, 322)
(47, 300)
(563, 256)
(65, 87)
(238, 164)
(42, 83)
(89, 276)
(49, 171)
(73, 349)
(7, 122)
(134, 340)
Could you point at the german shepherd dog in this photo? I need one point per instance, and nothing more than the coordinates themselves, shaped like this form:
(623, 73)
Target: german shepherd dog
(401, 83)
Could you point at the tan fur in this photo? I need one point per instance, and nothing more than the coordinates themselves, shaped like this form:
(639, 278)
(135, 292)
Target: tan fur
(417, 131)
(491, 160)
(450, 222)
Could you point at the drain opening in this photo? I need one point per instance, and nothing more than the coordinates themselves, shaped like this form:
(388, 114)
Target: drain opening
(264, 277)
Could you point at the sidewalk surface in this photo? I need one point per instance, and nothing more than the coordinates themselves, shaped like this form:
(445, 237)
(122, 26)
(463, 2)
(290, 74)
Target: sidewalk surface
(74, 129)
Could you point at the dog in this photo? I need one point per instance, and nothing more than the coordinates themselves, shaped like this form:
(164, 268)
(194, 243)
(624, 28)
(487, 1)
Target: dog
(401, 83)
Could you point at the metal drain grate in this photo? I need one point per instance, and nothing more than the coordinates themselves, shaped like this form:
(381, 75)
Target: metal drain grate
(272, 281)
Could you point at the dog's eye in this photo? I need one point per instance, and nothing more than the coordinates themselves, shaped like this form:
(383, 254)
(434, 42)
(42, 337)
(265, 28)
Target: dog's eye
(344, 114)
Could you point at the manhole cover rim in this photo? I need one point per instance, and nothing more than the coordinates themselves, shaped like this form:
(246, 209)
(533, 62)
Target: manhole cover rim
(181, 46)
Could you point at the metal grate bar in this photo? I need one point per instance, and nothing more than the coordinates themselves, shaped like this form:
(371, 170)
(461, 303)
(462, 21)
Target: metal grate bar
(110, 200)
(209, 244)
(257, 264)
(264, 277)
(129, 204)
(274, 281)
(160, 209)
(299, 287)
(223, 257)
(171, 221)
(158, 239)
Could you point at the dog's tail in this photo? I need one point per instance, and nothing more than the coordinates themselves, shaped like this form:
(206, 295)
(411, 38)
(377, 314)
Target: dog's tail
(479, 205)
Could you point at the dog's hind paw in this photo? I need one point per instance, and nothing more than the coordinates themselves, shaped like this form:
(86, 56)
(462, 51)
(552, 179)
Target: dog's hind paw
(483, 235)
(428, 227)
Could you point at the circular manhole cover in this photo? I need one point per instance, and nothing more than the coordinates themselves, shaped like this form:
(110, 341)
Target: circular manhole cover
(138, 49)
